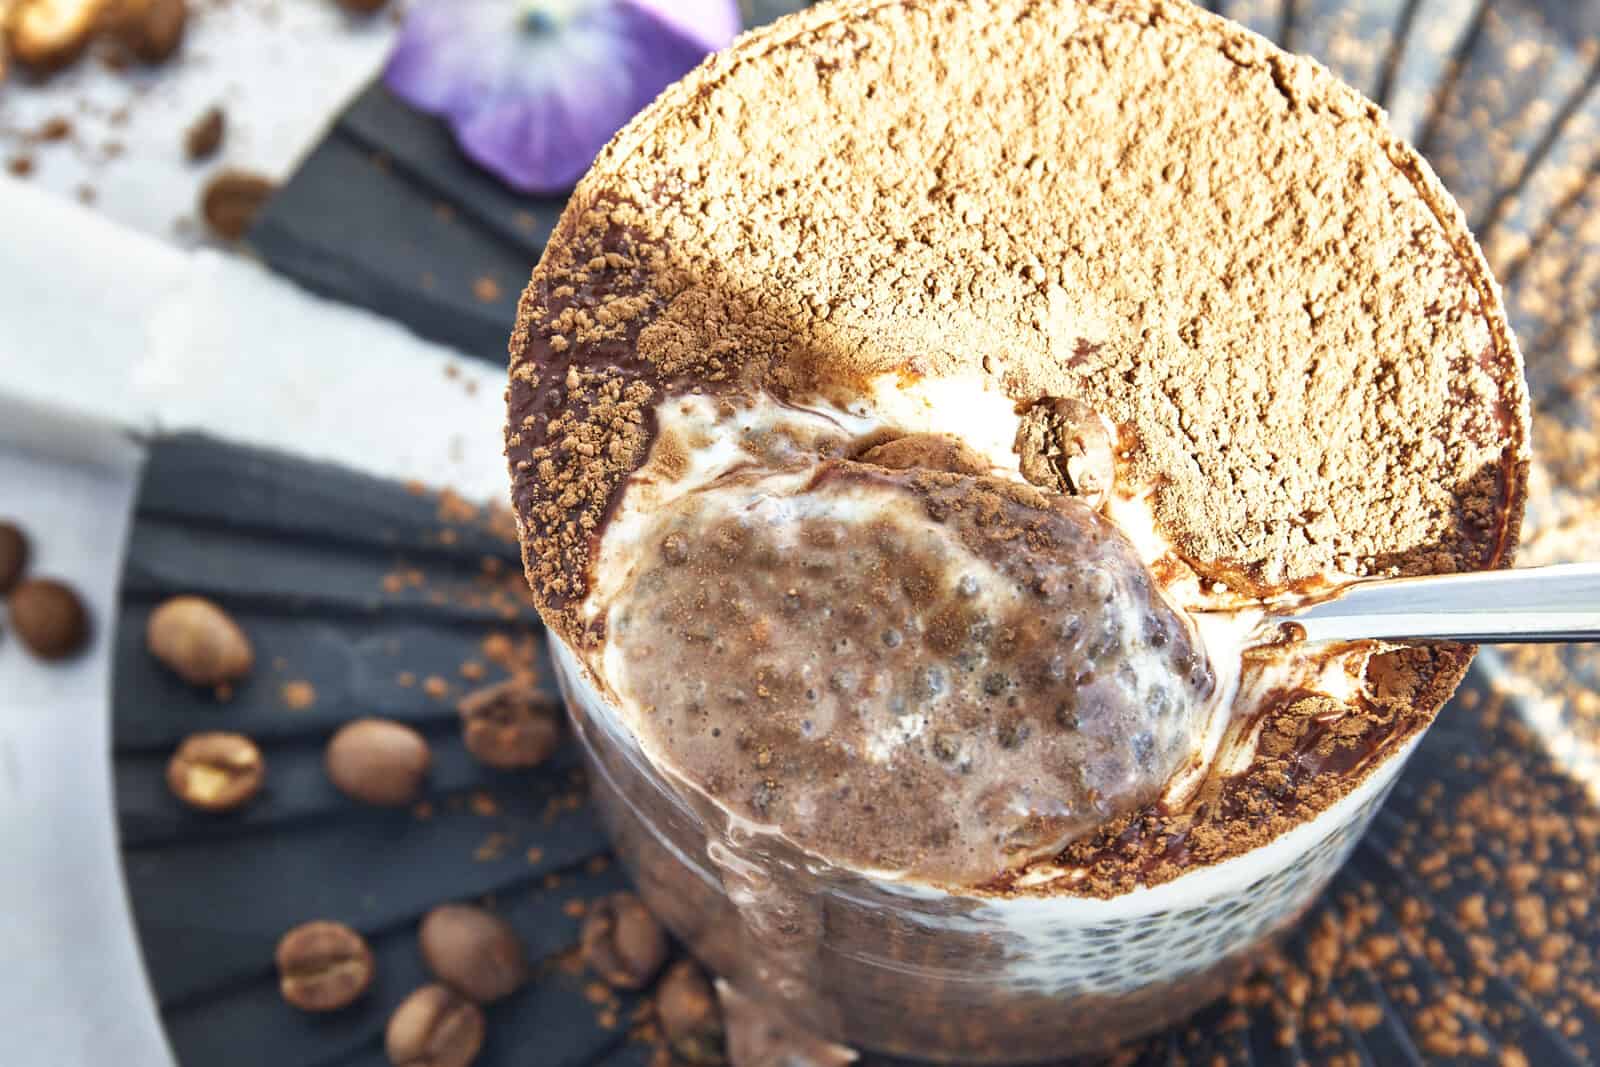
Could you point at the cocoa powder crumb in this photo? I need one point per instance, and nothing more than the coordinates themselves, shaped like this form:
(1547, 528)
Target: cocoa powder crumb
(486, 290)
(298, 695)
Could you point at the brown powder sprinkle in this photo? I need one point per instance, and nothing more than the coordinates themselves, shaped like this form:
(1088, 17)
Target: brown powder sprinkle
(486, 290)
(58, 128)
(1386, 434)
(298, 695)
(492, 848)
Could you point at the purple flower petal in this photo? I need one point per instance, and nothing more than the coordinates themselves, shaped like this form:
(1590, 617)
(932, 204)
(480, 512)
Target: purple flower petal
(711, 23)
(535, 105)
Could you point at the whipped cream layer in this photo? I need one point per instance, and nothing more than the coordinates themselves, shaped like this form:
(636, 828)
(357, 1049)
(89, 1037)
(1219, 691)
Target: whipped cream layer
(937, 676)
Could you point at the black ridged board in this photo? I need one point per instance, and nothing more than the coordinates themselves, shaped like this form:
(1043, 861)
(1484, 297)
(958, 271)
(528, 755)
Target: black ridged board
(299, 555)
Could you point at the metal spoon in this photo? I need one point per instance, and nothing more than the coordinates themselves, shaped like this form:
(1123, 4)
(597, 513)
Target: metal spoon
(1533, 605)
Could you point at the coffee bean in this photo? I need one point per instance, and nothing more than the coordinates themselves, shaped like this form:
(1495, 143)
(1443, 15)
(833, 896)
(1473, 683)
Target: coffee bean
(13, 555)
(148, 30)
(434, 1027)
(216, 771)
(510, 725)
(378, 762)
(49, 618)
(198, 641)
(622, 942)
(232, 201)
(690, 1017)
(363, 7)
(473, 951)
(46, 35)
(323, 966)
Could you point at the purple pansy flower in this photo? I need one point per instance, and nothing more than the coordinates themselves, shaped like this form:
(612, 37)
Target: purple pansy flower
(535, 88)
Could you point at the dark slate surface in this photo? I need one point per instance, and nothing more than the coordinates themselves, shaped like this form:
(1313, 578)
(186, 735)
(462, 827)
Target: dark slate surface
(212, 894)
(1504, 97)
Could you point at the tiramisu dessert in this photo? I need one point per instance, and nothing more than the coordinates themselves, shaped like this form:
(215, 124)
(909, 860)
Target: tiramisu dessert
(913, 414)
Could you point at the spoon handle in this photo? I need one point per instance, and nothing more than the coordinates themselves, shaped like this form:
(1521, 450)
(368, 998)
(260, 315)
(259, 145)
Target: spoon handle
(1532, 605)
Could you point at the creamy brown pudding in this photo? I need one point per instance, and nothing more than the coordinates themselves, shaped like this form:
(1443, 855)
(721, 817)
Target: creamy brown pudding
(864, 648)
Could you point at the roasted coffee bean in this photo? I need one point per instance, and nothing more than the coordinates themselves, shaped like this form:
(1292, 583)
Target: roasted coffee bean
(13, 555)
(147, 30)
(216, 771)
(46, 35)
(323, 966)
(434, 1027)
(511, 725)
(48, 617)
(232, 200)
(198, 641)
(690, 1017)
(378, 762)
(622, 942)
(474, 952)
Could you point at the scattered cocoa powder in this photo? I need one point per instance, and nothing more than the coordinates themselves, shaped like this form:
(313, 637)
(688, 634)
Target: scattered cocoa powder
(56, 129)
(298, 695)
(486, 290)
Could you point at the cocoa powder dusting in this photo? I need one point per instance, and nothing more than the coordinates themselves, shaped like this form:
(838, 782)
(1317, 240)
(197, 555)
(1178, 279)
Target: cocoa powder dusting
(1303, 340)
(1127, 203)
